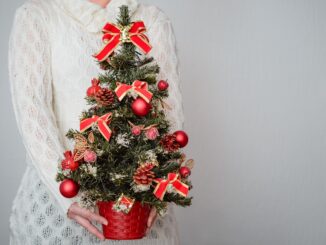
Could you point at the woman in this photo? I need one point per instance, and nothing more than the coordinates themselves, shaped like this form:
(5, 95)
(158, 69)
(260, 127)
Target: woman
(51, 65)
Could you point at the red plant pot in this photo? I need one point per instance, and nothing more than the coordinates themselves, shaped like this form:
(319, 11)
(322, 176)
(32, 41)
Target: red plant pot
(124, 226)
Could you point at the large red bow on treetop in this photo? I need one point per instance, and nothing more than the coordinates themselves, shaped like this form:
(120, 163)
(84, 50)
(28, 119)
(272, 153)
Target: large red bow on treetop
(114, 35)
(173, 181)
(102, 124)
(139, 87)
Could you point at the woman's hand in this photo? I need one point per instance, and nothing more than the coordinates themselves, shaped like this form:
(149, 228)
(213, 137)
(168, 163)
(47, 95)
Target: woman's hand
(84, 217)
(151, 219)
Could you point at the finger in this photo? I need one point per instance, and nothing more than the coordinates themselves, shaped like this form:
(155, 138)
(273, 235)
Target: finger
(96, 210)
(91, 228)
(149, 227)
(96, 217)
(87, 214)
(71, 210)
(71, 215)
(152, 217)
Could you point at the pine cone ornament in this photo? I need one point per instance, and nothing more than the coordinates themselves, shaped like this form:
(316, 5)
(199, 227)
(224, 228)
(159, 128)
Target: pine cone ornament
(104, 97)
(144, 175)
(169, 143)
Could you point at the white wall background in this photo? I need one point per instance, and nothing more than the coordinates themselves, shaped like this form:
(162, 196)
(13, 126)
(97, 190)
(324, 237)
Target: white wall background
(255, 101)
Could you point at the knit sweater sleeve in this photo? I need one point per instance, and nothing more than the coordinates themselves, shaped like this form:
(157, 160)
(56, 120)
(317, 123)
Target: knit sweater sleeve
(164, 51)
(31, 89)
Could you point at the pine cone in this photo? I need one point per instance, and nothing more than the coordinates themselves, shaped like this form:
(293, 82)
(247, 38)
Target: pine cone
(144, 175)
(105, 97)
(170, 143)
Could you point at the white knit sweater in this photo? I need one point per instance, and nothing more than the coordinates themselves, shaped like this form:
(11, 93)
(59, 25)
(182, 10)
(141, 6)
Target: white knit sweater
(50, 67)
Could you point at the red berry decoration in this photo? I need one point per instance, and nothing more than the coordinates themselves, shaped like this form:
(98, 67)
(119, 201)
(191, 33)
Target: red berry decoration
(162, 85)
(136, 130)
(91, 91)
(185, 172)
(181, 138)
(140, 107)
(69, 188)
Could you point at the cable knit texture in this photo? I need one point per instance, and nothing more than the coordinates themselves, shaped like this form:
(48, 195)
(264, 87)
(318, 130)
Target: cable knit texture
(50, 67)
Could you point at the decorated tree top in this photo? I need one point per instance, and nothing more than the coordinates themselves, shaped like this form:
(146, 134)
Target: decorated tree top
(124, 150)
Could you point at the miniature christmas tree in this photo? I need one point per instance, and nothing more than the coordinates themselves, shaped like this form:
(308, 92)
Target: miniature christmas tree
(124, 151)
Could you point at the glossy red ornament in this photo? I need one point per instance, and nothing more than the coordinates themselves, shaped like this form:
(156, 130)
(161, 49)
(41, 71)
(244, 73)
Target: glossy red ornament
(91, 91)
(69, 188)
(140, 107)
(184, 172)
(162, 85)
(181, 138)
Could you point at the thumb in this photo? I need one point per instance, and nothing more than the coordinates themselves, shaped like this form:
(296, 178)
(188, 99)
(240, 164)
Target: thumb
(152, 216)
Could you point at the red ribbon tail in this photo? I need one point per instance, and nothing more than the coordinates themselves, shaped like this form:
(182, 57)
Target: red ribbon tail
(141, 43)
(160, 189)
(108, 49)
(181, 188)
(104, 129)
(145, 94)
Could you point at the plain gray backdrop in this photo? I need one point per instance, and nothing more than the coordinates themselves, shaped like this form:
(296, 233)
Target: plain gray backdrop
(254, 90)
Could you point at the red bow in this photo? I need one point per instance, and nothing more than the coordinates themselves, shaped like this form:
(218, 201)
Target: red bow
(114, 35)
(102, 124)
(141, 88)
(173, 180)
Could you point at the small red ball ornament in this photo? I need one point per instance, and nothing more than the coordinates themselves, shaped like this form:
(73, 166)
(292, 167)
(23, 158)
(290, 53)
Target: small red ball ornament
(136, 130)
(140, 107)
(69, 188)
(184, 172)
(181, 138)
(91, 91)
(162, 85)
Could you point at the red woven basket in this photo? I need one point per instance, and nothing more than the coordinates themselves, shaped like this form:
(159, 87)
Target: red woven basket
(124, 226)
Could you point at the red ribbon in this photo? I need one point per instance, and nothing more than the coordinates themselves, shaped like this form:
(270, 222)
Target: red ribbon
(172, 179)
(102, 124)
(139, 87)
(114, 35)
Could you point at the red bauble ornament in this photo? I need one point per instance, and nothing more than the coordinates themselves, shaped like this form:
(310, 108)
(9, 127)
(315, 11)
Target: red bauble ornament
(140, 107)
(162, 85)
(181, 138)
(91, 91)
(69, 188)
(184, 172)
